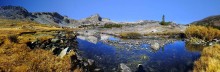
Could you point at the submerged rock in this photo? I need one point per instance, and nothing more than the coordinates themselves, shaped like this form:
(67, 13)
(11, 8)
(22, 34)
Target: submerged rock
(155, 46)
(140, 68)
(90, 61)
(124, 68)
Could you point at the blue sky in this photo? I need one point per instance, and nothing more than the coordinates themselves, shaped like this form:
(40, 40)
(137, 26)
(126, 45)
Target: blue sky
(180, 11)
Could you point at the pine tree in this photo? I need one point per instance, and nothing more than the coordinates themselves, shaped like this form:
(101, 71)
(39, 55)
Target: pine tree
(163, 20)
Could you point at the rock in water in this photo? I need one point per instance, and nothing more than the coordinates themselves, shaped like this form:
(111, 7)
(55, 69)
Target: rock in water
(90, 61)
(63, 52)
(124, 68)
(155, 46)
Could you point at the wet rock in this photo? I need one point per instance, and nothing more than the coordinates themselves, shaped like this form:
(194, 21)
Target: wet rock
(54, 40)
(97, 70)
(90, 61)
(79, 57)
(155, 46)
(85, 64)
(124, 68)
(63, 52)
(210, 43)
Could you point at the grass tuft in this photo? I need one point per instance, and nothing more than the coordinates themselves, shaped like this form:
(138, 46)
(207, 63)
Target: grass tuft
(201, 32)
(209, 61)
(130, 35)
(13, 38)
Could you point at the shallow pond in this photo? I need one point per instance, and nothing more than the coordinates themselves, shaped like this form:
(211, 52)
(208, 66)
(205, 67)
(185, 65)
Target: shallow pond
(172, 57)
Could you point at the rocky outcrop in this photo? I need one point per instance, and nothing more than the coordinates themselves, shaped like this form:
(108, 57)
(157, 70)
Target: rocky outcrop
(13, 12)
(20, 13)
(50, 18)
(63, 44)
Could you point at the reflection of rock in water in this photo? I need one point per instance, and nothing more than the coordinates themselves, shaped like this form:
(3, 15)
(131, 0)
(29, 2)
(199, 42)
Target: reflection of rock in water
(155, 46)
(194, 48)
(91, 39)
(140, 68)
(104, 36)
(81, 37)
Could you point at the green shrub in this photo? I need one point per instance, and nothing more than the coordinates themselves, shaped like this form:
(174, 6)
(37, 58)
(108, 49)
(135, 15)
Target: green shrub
(112, 25)
(165, 23)
(130, 35)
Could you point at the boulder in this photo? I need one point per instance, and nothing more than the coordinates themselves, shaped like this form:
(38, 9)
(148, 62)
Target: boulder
(63, 52)
(155, 46)
(54, 40)
(124, 68)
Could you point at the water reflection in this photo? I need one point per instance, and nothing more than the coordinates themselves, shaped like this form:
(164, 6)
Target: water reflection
(172, 57)
(194, 48)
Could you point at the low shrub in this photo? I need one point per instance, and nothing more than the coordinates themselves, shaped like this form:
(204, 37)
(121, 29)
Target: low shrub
(209, 60)
(202, 32)
(165, 23)
(130, 35)
(13, 38)
(112, 25)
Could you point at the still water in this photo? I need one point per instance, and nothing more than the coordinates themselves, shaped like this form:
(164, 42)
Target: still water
(172, 57)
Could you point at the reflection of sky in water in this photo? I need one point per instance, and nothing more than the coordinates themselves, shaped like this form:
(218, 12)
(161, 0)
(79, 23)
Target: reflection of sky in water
(172, 57)
(113, 39)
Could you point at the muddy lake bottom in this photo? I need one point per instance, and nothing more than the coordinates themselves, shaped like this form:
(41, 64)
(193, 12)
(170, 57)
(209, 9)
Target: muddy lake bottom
(172, 57)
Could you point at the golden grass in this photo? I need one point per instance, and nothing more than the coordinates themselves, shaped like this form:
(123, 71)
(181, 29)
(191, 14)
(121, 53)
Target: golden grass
(130, 35)
(209, 61)
(201, 32)
(16, 56)
(163, 33)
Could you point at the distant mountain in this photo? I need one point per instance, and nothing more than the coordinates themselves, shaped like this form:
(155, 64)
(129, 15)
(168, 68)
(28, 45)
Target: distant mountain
(213, 21)
(54, 18)
(20, 13)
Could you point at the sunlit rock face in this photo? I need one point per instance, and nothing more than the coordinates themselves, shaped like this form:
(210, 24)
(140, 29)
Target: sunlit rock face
(104, 37)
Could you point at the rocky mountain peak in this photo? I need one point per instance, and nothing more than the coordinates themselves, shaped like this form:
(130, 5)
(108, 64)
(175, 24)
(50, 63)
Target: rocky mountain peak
(95, 17)
(13, 12)
(49, 14)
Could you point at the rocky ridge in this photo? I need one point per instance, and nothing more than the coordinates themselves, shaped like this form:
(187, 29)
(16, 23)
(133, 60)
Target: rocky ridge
(213, 21)
(54, 18)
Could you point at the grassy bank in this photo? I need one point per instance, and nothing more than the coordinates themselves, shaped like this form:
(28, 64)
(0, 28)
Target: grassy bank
(163, 33)
(16, 56)
(209, 61)
(202, 32)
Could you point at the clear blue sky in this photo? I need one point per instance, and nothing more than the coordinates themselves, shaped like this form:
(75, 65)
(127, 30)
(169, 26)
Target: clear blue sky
(180, 11)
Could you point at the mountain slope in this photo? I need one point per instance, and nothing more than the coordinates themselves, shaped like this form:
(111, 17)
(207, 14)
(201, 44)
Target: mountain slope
(54, 18)
(20, 13)
(213, 21)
